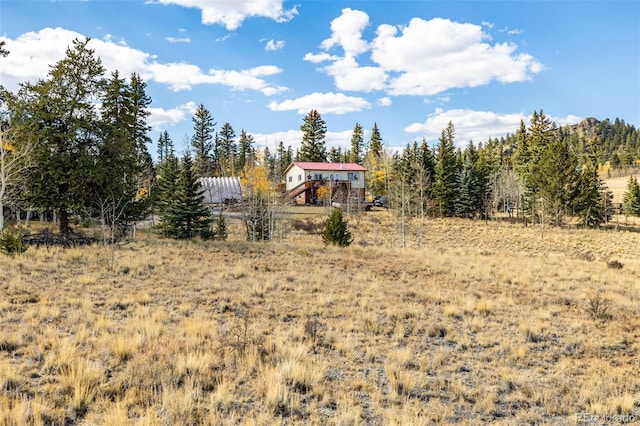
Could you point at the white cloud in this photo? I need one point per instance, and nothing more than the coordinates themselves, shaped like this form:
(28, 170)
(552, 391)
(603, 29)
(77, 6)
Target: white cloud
(346, 32)
(273, 45)
(424, 58)
(476, 125)
(178, 40)
(384, 101)
(231, 14)
(159, 118)
(324, 103)
(436, 55)
(33, 52)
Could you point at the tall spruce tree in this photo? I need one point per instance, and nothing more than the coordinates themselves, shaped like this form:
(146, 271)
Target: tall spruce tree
(446, 173)
(184, 215)
(357, 144)
(246, 154)
(631, 198)
(470, 190)
(313, 146)
(166, 147)
(202, 141)
(375, 142)
(226, 150)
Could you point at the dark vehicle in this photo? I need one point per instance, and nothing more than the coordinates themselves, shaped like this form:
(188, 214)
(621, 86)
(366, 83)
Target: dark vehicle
(381, 201)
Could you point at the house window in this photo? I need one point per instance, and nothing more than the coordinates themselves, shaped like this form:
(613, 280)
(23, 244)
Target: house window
(299, 178)
(352, 176)
(317, 176)
(334, 176)
(290, 178)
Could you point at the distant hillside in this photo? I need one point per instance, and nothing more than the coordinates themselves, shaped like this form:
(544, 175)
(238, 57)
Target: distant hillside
(616, 142)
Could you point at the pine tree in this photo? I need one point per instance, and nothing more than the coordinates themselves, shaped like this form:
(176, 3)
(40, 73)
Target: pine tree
(335, 155)
(631, 198)
(313, 146)
(202, 141)
(185, 215)
(226, 150)
(336, 230)
(165, 147)
(221, 233)
(446, 179)
(166, 184)
(375, 142)
(470, 194)
(357, 143)
(246, 155)
(60, 112)
(588, 196)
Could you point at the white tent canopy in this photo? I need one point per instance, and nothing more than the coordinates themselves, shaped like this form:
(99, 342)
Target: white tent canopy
(221, 189)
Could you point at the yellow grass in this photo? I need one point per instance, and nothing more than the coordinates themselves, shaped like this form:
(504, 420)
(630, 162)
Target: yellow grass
(486, 323)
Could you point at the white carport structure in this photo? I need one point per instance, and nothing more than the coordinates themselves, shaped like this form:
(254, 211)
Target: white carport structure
(219, 190)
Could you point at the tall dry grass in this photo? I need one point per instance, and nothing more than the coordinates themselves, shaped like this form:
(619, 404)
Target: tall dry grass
(484, 323)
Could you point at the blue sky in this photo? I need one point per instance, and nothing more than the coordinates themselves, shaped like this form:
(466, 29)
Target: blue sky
(409, 66)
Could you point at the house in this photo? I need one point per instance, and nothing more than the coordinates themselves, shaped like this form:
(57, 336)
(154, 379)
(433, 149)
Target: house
(218, 190)
(343, 180)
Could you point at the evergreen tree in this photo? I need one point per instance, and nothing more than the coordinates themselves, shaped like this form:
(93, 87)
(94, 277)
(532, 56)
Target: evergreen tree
(522, 155)
(313, 146)
(221, 233)
(446, 179)
(246, 156)
(60, 113)
(357, 143)
(202, 141)
(186, 216)
(375, 142)
(589, 197)
(555, 175)
(122, 168)
(226, 150)
(631, 198)
(335, 155)
(470, 191)
(167, 184)
(336, 230)
(284, 158)
(165, 147)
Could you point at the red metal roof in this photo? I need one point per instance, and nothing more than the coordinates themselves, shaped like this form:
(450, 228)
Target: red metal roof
(350, 167)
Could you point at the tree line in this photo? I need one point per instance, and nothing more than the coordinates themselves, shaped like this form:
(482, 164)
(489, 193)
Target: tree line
(76, 143)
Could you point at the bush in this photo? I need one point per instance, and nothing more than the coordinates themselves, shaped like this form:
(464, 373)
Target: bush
(336, 231)
(11, 242)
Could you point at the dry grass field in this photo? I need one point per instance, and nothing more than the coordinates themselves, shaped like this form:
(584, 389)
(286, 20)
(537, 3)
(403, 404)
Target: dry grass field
(481, 323)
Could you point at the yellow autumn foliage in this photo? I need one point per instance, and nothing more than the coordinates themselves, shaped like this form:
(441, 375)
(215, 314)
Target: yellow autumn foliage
(256, 179)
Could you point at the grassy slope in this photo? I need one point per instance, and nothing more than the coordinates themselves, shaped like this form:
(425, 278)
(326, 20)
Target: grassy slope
(484, 323)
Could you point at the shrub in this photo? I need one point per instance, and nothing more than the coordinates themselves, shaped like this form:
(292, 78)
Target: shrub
(336, 230)
(11, 242)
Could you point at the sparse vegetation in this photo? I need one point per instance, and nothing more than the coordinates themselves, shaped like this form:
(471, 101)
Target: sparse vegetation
(486, 323)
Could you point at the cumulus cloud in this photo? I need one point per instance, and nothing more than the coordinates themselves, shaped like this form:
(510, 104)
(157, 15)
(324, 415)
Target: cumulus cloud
(384, 101)
(231, 14)
(159, 118)
(476, 125)
(33, 52)
(273, 45)
(423, 58)
(325, 103)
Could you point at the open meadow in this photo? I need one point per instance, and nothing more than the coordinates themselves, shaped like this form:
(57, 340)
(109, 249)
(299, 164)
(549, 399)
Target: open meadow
(471, 323)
